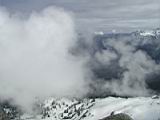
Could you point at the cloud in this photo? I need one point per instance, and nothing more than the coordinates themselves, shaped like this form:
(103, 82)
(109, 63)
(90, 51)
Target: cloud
(35, 58)
(125, 69)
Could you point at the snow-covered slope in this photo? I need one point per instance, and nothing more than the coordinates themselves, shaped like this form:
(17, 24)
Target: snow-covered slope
(67, 108)
(139, 108)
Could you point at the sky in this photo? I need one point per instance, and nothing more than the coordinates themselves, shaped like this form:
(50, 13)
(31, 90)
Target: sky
(105, 15)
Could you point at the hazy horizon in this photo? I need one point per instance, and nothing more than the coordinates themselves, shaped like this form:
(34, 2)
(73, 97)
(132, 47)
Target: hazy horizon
(97, 15)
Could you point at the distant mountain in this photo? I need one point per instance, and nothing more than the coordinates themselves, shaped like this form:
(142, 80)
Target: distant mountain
(147, 41)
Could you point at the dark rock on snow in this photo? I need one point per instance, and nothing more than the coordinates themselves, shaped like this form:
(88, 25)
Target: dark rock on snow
(120, 116)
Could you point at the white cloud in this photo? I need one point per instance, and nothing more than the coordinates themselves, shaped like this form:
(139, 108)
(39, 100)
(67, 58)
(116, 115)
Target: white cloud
(35, 59)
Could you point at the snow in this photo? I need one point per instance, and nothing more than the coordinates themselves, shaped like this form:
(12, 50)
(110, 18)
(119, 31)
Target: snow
(99, 33)
(139, 108)
(148, 33)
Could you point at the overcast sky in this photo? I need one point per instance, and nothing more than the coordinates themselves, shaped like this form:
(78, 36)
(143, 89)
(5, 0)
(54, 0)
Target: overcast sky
(122, 15)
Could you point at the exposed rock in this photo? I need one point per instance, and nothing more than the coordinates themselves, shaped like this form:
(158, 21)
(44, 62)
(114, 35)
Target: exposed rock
(64, 108)
(8, 111)
(155, 97)
(120, 116)
(3, 115)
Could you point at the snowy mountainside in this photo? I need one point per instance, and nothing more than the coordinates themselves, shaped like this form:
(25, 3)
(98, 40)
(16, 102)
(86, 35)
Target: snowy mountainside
(67, 109)
(63, 108)
(155, 32)
(139, 108)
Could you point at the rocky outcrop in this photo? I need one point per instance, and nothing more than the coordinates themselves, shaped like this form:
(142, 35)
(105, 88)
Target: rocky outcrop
(67, 108)
(8, 111)
(3, 115)
(120, 116)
